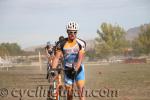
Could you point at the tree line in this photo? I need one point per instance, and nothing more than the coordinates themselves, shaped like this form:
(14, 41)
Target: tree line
(10, 49)
(110, 41)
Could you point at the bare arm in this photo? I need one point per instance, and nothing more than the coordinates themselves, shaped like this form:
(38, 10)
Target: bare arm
(80, 59)
(46, 53)
(56, 59)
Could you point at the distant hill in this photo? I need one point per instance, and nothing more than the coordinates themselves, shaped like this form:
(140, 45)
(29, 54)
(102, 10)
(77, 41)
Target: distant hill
(133, 32)
(90, 44)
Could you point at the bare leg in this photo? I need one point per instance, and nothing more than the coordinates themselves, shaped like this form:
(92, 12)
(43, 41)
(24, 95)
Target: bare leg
(69, 92)
(80, 86)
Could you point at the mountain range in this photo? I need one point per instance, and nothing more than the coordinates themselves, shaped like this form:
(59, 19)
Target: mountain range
(134, 32)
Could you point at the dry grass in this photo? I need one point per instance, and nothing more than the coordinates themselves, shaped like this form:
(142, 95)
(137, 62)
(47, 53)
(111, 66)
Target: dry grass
(132, 81)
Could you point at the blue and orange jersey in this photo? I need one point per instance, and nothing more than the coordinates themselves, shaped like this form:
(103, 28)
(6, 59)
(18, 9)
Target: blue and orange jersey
(71, 49)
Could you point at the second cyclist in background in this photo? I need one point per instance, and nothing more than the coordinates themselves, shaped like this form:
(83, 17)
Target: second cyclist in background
(50, 55)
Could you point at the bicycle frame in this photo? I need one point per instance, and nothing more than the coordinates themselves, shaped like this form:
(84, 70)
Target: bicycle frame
(55, 86)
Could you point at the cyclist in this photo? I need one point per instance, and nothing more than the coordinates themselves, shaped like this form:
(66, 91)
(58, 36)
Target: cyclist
(61, 38)
(50, 55)
(73, 50)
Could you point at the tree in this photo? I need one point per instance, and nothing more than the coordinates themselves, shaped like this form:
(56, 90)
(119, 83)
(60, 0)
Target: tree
(141, 44)
(3, 51)
(91, 54)
(10, 49)
(111, 40)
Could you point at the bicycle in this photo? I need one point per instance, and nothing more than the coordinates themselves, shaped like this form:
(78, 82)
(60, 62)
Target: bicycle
(56, 85)
(57, 90)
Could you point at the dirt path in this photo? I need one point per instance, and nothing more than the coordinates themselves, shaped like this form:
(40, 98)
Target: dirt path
(29, 82)
(24, 83)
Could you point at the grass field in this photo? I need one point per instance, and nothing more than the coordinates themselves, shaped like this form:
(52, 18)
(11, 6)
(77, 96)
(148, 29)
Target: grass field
(131, 81)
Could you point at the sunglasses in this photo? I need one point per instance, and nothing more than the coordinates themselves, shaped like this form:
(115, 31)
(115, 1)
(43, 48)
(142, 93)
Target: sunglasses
(72, 32)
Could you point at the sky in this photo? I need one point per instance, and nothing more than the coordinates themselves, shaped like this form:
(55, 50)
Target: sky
(34, 22)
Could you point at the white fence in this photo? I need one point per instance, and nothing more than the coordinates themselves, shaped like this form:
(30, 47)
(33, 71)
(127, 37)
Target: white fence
(5, 63)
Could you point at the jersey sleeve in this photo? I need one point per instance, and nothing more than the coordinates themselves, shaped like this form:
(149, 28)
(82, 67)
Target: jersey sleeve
(82, 45)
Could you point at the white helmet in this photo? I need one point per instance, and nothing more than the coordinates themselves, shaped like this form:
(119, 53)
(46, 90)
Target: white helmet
(72, 26)
(48, 43)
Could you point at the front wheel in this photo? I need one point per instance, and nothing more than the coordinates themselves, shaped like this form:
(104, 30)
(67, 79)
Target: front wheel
(61, 94)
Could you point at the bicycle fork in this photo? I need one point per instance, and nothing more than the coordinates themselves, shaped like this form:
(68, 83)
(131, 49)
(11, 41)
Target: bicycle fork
(56, 88)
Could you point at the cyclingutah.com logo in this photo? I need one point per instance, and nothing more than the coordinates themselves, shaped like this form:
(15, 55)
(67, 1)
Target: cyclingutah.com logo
(3, 92)
(45, 91)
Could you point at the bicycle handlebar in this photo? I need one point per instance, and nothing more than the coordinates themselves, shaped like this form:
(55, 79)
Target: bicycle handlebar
(59, 69)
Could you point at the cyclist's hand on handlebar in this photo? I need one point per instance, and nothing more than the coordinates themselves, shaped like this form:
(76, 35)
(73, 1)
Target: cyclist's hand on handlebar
(74, 71)
(52, 73)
